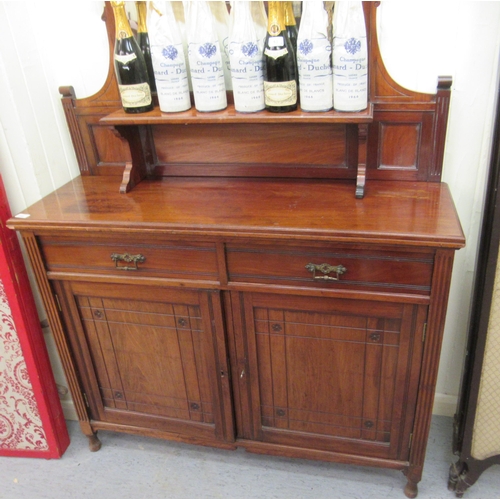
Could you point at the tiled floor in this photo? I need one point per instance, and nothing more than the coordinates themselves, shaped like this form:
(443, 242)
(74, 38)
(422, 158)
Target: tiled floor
(136, 467)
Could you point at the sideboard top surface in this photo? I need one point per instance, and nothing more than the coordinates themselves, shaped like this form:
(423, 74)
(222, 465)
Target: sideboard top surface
(392, 213)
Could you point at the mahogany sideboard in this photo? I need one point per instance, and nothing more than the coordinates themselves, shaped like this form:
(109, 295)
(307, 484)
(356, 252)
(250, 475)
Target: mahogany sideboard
(277, 283)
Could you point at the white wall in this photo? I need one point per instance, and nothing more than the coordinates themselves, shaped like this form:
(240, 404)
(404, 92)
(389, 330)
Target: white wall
(44, 45)
(460, 39)
(419, 41)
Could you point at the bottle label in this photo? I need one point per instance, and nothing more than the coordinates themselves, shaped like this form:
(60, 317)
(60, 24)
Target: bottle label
(171, 77)
(276, 41)
(314, 58)
(125, 59)
(121, 34)
(350, 73)
(280, 93)
(135, 96)
(274, 29)
(274, 54)
(247, 75)
(272, 43)
(207, 76)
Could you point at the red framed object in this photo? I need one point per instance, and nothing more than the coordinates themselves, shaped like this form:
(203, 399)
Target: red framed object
(31, 418)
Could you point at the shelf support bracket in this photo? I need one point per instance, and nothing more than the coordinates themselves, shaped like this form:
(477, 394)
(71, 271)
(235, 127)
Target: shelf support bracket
(140, 144)
(362, 153)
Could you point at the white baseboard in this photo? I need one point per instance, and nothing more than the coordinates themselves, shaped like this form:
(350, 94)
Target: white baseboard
(444, 405)
(69, 409)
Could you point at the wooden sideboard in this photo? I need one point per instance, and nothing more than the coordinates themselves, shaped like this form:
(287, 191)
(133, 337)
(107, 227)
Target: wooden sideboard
(277, 283)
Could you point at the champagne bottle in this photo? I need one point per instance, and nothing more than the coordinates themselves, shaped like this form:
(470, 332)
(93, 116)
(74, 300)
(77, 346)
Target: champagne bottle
(143, 41)
(169, 61)
(205, 59)
(291, 25)
(314, 58)
(130, 67)
(246, 57)
(280, 84)
(350, 57)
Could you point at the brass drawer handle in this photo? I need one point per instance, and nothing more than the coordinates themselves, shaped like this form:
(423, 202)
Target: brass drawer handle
(326, 269)
(127, 258)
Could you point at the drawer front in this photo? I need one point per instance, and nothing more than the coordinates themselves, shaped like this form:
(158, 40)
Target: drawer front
(332, 268)
(124, 256)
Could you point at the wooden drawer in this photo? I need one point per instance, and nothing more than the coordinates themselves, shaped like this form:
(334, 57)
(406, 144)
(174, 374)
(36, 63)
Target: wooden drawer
(130, 256)
(332, 268)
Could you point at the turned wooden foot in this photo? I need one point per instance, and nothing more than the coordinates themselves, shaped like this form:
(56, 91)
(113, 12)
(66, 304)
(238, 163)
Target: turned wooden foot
(94, 443)
(411, 489)
(413, 475)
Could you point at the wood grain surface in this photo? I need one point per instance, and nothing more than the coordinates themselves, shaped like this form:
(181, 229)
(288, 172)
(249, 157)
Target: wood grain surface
(392, 213)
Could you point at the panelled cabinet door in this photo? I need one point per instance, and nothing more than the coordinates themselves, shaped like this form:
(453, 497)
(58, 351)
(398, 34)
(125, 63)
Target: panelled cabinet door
(331, 374)
(150, 357)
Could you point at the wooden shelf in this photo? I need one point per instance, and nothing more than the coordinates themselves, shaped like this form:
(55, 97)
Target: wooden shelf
(132, 128)
(231, 116)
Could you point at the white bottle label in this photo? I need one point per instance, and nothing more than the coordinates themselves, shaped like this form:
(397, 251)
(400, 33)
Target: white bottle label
(207, 76)
(135, 96)
(350, 74)
(280, 93)
(314, 58)
(276, 41)
(247, 76)
(171, 77)
(125, 59)
(274, 54)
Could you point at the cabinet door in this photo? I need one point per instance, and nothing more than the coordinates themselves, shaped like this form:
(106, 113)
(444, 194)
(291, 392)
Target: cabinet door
(150, 357)
(331, 374)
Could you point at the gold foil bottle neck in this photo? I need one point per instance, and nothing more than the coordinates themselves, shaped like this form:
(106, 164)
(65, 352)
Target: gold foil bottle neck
(289, 16)
(122, 26)
(141, 17)
(275, 18)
